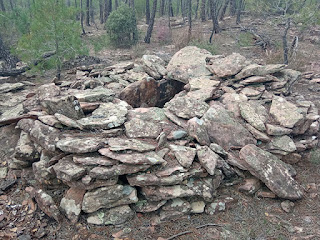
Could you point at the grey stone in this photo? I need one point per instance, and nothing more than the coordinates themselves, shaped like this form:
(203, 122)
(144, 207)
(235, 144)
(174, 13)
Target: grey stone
(154, 66)
(80, 144)
(184, 155)
(255, 114)
(121, 144)
(113, 216)
(108, 197)
(272, 171)
(207, 158)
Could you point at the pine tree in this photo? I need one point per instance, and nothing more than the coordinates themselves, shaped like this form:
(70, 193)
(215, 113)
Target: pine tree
(53, 29)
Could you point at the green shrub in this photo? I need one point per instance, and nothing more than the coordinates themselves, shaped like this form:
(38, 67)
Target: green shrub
(315, 156)
(122, 27)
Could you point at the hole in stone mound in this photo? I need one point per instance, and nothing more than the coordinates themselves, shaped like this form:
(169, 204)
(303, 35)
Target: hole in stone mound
(150, 92)
(123, 180)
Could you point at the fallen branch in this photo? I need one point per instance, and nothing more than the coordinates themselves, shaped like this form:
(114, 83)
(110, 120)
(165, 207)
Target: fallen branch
(187, 232)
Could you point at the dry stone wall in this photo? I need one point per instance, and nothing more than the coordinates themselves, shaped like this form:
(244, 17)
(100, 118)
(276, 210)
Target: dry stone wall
(232, 117)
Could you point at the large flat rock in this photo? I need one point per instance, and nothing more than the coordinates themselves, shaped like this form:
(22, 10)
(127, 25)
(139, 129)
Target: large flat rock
(272, 171)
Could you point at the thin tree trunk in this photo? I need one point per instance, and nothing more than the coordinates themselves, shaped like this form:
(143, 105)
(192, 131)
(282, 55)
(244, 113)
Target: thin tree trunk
(239, 11)
(116, 4)
(178, 7)
(147, 11)
(82, 17)
(224, 9)
(215, 22)
(150, 27)
(233, 7)
(3, 9)
(162, 4)
(285, 42)
(203, 10)
(197, 7)
(170, 8)
(88, 12)
(68, 3)
(11, 5)
(131, 3)
(6, 56)
(101, 12)
(189, 20)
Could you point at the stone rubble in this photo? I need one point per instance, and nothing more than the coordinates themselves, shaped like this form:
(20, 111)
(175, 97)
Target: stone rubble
(217, 116)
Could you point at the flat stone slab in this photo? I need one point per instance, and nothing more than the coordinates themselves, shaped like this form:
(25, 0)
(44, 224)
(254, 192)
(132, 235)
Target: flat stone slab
(108, 197)
(255, 114)
(285, 113)
(185, 155)
(148, 158)
(272, 171)
(107, 116)
(80, 144)
(120, 144)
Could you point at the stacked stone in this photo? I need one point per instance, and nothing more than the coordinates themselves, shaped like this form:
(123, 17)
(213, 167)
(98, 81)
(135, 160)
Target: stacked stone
(117, 160)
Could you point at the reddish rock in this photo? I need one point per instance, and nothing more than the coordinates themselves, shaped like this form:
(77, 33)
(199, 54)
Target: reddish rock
(47, 205)
(71, 203)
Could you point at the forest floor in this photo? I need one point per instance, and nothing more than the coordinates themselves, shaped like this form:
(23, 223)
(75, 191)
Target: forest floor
(249, 217)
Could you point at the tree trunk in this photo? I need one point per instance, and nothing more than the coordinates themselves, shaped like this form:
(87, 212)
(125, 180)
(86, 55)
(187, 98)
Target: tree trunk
(82, 17)
(224, 9)
(10, 61)
(215, 22)
(150, 27)
(101, 12)
(11, 5)
(68, 3)
(170, 8)
(162, 4)
(131, 4)
(116, 4)
(189, 20)
(233, 7)
(106, 10)
(285, 42)
(203, 10)
(178, 7)
(3, 9)
(92, 12)
(88, 13)
(240, 8)
(197, 7)
(147, 11)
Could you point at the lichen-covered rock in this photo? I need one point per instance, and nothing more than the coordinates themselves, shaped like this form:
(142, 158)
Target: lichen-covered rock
(207, 158)
(180, 67)
(98, 94)
(108, 115)
(145, 206)
(66, 170)
(25, 149)
(121, 144)
(65, 105)
(9, 87)
(259, 70)
(227, 66)
(186, 107)
(116, 170)
(67, 121)
(71, 203)
(225, 130)
(154, 66)
(257, 134)
(184, 155)
(255, 114)
(109, 197)
(275, 130)
(149, 158)
(80, 144)
(42, 134)
(285, 113)
(272, 171)
(197, 129)
(232, 102)
(204, 188)
(47, 205)
(113, 216)
(93, 160)
(282, 145)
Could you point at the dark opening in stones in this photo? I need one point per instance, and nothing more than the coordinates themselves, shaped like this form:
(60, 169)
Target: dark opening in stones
(150, 92)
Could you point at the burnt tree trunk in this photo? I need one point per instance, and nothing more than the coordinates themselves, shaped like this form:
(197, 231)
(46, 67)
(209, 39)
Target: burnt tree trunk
(107, 9)
(147, 11)
(10, 61)
(88, 12)
(240, 7)
(2, 7)
(215, 22)
(224, 9)
(285, 42)
(189, 20)
(92, 12)
(233, 7)
(101, 17)
(203, 10)
(150, 27)
(197, 7)
(162, 6)
(82, 17)
(170, 8)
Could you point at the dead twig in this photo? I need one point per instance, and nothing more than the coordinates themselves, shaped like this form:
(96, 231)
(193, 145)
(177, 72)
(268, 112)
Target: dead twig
(187, 232)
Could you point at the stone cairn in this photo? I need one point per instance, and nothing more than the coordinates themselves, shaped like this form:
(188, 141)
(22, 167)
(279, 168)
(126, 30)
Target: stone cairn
(107, 139)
